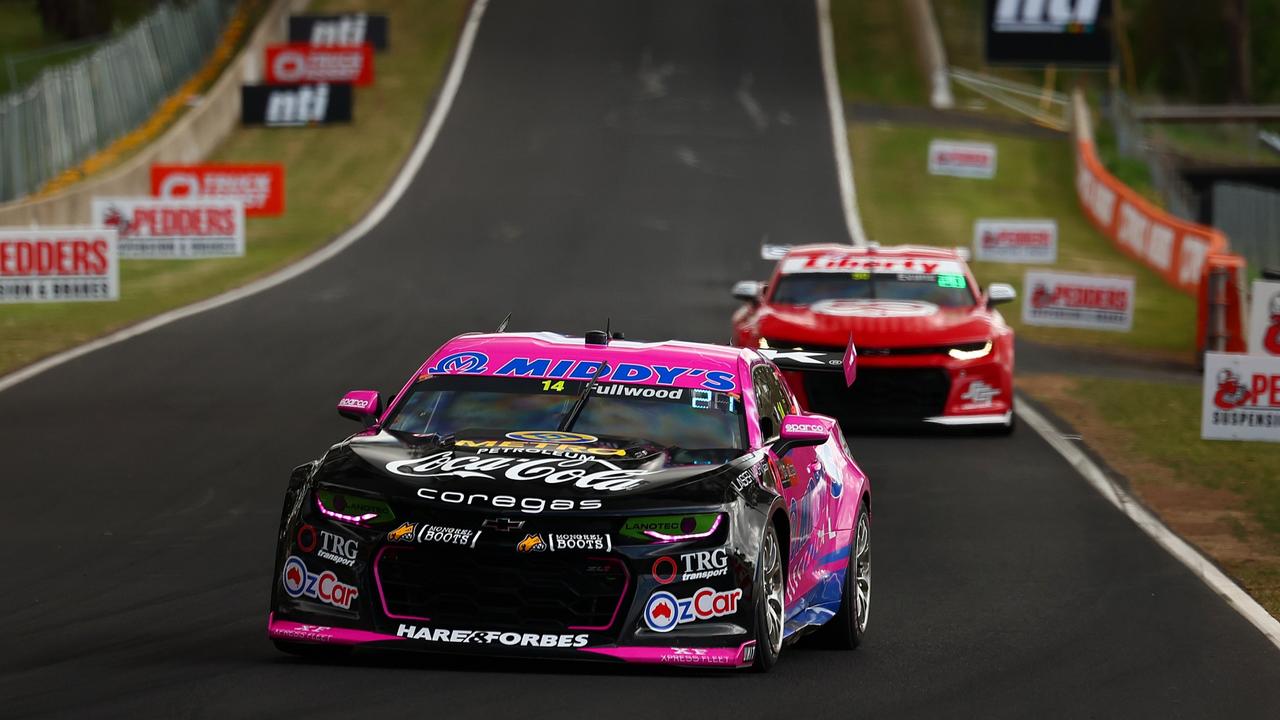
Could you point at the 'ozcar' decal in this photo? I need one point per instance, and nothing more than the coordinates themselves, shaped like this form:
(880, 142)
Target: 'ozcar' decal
(477, 363)
(582, 472)
(298, 581)
(664, 611)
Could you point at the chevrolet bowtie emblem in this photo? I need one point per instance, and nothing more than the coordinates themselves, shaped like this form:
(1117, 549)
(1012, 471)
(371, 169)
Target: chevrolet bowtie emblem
(502, 524)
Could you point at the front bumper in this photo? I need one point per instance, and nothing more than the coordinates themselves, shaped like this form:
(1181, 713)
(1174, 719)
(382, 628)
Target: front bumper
(471, 590)
(913, 389)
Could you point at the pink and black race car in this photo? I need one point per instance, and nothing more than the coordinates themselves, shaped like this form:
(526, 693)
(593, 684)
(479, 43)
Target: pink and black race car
(537, 495)
(932, 348)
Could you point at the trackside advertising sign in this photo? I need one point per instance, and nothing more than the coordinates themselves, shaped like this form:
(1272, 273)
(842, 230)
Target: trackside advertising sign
(62, 265)
(1016, 241)
(1097, 302)
(1241, 399)
(331, 30)
(291, 64)
(259, 187)
(1264, 318)
(295, 105)
(151, 229)
(962, 159)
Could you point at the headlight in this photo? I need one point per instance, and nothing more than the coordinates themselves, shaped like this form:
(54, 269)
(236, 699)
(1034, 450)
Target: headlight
(352, 508)
(971, 351)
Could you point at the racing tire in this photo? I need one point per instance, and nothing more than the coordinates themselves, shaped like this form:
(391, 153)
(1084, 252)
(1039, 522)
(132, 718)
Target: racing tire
(770, 602)
(846, 630)
(312, 651)
(1005, 430)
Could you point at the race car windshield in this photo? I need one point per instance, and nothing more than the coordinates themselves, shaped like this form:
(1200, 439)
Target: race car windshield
(951, 291)
(665, 416)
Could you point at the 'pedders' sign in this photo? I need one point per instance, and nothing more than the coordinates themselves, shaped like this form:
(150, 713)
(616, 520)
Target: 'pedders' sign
(66, 265)
(151, 229)
(293, 64)
(1264, 318)
(259, 187)
(1241, 398)
(1016, 241)
(1098, 302)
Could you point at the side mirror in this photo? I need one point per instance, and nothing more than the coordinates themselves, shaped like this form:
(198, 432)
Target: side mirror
(801, 431)
(362, 405)
(748, 290)
(998, 293)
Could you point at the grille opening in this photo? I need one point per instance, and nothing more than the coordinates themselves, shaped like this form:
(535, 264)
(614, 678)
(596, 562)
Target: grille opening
(499, 589)
(879, 394)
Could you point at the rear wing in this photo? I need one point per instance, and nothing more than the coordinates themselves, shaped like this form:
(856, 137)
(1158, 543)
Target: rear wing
(810, 361)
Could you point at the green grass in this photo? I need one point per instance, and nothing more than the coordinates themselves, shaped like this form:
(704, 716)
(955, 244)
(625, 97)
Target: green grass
(867, 33)
(333, 175)
(901, 203)
(1157, 425)
(1163, 421)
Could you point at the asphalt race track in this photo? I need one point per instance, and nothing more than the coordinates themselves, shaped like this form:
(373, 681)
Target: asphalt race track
(604, 159)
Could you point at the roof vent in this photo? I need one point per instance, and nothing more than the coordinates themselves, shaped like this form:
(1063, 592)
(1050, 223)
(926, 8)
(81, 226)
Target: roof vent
(596, 337)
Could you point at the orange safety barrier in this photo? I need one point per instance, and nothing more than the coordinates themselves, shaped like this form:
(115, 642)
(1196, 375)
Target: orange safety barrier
(1173, 247)
(1221, 325)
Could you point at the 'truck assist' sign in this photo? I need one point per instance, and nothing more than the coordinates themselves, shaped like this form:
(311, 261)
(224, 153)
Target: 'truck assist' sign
(296, 63)
(1241, 397)
(58, 265)
(259, 187)
(1098, 302)
(156, 229)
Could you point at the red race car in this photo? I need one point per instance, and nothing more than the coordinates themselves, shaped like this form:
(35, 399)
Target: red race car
(931, 347)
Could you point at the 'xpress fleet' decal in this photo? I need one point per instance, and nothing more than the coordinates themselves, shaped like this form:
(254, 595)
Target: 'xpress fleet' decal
(298, 581)
(477, 363)
(582, 472)
(664, 611)
(490, 637)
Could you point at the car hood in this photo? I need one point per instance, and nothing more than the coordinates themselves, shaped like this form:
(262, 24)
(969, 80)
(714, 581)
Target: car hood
(874, 324)
(399, 465)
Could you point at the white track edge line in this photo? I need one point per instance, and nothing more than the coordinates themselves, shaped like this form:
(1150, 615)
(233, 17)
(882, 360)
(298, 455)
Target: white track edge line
(1217, 581)
(839, 131)
(408, 171)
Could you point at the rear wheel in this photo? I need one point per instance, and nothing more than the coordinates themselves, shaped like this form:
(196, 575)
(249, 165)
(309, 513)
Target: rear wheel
(847, 628)
(769, 602)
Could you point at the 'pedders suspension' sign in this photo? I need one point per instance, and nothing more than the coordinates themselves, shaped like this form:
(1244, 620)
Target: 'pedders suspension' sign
(63, 265)
(157, 229)
(1241, 397)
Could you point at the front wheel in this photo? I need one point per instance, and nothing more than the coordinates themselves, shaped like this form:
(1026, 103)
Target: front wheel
(769, 602)
(846, 629)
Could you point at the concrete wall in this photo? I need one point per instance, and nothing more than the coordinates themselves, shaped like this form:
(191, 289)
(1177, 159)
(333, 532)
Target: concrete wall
(192, 138)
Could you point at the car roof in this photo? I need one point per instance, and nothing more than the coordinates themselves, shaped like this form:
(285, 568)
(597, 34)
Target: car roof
(552, 355)
(894, 251)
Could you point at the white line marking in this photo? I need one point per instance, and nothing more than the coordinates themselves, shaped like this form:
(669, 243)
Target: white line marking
(1166, 538)
(839, 137)
(379, 211)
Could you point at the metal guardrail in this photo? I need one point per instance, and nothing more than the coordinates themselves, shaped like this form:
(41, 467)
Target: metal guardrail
(1206, 113)
(70, 111)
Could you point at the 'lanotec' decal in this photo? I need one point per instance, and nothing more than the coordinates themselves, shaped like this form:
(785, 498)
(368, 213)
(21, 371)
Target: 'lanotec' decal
(640, 528)
(477, 363)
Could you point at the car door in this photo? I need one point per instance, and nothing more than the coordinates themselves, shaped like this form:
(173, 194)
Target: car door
(802, 479)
